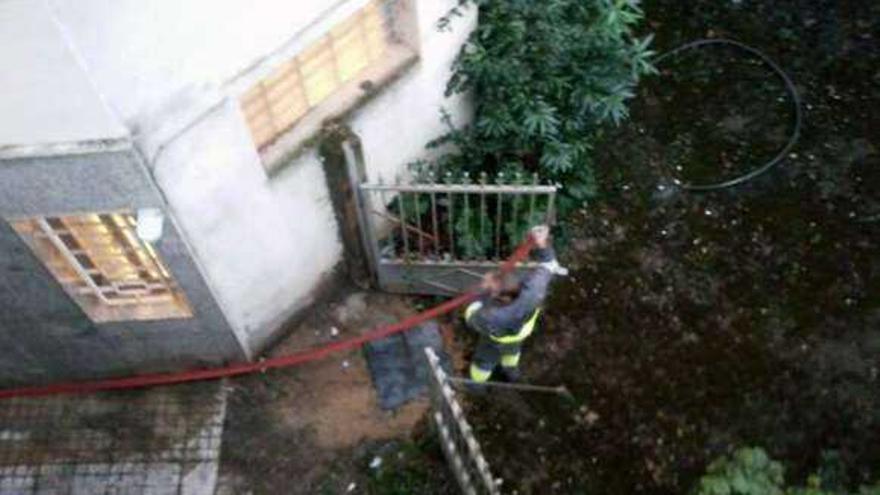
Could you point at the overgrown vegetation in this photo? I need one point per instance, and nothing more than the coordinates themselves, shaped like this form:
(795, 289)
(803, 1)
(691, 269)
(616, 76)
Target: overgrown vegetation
(465, 225)
(750, 471)
(545, 77)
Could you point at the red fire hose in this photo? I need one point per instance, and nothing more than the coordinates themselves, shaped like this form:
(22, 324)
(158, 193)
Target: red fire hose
(141, 381)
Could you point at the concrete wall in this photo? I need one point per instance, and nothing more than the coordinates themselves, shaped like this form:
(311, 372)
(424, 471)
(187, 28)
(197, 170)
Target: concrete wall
(264, 243)
(44, 335)
(173, 72)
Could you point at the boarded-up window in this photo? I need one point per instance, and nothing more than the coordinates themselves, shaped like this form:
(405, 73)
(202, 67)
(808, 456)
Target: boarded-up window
(105, 267)
(277, 102)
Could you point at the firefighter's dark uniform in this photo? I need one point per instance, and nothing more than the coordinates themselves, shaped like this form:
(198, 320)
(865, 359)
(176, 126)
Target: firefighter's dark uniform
(504, 328)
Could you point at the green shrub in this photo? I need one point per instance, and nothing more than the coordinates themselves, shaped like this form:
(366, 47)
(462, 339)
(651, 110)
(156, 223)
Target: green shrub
(749, 471)
(545, 77)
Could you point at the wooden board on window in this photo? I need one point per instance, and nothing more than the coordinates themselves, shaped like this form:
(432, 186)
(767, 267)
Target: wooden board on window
(280, 100)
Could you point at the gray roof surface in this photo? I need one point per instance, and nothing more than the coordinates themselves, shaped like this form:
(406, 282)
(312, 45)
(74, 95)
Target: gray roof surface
(45, 95)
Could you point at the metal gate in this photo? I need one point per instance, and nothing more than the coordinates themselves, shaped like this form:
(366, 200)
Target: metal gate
(432, 237)
(462, 450)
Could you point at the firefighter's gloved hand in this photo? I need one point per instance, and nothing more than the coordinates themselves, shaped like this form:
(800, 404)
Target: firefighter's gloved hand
(471, 310)
(555, 268)
(541, 236)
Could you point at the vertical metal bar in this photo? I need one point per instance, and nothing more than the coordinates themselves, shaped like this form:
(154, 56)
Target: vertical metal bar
(532, 202)
(451, 212)
(514, 231)
(498, 219)
(384, 205)
(551, 213)
(403, 232)
(469, 239)
(483, 215)
(434, 221)
(369, 231)
(419, 224)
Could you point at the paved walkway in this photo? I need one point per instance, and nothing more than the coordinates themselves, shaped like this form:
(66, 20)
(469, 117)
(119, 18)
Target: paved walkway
(159, 441)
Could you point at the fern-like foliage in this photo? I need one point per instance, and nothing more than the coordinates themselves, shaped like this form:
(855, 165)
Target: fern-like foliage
(545, 76)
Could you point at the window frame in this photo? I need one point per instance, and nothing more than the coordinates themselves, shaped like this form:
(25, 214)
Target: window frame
(400, 51)
(105, 290)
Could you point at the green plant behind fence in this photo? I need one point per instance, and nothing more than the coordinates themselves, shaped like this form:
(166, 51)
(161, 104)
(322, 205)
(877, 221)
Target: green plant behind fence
(545, 77)
(470, 226)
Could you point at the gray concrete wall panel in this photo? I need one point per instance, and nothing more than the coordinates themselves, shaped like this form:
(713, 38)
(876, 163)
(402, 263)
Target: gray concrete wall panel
(44, 335)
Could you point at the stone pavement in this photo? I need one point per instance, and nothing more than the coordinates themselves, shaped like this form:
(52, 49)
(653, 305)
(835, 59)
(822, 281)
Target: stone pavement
(158, 441)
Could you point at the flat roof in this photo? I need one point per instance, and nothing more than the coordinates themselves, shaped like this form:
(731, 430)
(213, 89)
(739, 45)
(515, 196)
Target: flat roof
(46, 97)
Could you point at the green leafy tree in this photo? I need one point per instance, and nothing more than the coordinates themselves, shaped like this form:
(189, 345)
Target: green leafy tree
(545, 76)
(750, 471)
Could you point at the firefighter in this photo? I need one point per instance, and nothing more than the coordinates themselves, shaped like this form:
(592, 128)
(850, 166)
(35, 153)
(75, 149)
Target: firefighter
(508, 310)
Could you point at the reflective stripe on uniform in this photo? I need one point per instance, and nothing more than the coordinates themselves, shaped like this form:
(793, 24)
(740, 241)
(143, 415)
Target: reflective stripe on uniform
(526, 330)
(510, 360)
(479, 374)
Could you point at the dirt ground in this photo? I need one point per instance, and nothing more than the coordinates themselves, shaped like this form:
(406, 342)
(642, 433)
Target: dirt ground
(692, 324)
(335, 397)
(316, 428)
(696, 323)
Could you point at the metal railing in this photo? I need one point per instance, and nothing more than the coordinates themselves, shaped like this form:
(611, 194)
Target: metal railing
(457, 440)
(439, 237)
(455, 220)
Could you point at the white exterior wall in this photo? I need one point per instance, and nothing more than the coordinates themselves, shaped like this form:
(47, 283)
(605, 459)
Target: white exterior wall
(173, 71)
(262, 243)
(397, 124)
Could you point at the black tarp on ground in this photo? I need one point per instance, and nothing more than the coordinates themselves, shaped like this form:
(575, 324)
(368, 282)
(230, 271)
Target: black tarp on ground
(397, 364)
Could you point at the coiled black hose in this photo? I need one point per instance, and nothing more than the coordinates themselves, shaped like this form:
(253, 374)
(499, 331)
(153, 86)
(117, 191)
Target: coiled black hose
(792, 91)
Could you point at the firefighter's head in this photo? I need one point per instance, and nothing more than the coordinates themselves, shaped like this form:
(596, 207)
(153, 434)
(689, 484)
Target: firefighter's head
(503, 288)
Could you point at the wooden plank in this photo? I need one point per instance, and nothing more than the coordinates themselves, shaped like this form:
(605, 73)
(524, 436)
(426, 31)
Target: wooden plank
(319, 86)
(256, 109)
(283, 72)
(284, 90)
